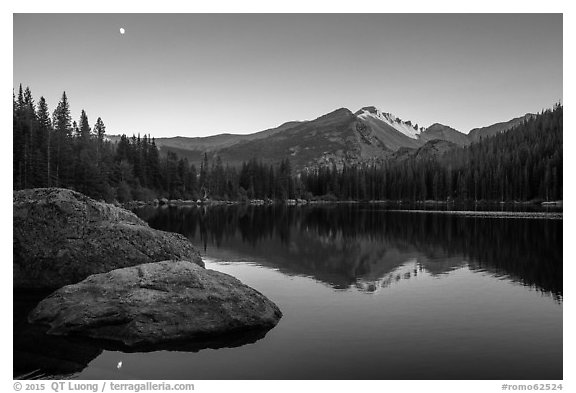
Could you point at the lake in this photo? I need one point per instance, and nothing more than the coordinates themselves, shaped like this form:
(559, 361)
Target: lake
(366, 292)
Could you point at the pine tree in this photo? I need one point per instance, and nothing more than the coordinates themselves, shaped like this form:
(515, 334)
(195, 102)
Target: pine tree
(62, 133)
(44, 135)
(18, 138)
(99, 129)
(28, 127)
(84, 127)
(204, 178)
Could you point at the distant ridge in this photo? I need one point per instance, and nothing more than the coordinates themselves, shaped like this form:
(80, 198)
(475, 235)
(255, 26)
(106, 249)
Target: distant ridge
(445, 133)
(477, 133)
(338, 137)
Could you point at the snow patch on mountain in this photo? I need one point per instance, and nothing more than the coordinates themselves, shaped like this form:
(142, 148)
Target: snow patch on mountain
(405, 128)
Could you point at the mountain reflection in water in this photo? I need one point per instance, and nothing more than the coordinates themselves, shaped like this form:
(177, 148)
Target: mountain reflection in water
(367, 247)
(366, 293)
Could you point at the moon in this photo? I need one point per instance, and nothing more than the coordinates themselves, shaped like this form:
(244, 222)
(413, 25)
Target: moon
(122, 31)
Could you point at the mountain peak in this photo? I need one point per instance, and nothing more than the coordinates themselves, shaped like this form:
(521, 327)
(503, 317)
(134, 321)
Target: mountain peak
(436, 126)
(446, 133)
(372, 110)
(369, 109)
(341, 113)
(404, 127)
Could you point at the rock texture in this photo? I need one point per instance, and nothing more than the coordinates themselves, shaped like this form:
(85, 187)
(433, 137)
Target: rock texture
(62, 237)
(154, 303)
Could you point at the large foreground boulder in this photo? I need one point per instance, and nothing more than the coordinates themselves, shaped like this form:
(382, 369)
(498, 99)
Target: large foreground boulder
(62, 237)
(155, 303)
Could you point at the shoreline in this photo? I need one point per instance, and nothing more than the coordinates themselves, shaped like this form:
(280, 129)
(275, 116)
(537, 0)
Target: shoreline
(490, 214)
(303, 202)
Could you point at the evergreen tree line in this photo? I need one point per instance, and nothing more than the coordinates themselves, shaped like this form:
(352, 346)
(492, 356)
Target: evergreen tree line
(52, 150)
(55, 151)
(522, 164)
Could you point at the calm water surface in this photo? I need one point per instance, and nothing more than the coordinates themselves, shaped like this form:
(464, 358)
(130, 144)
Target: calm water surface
(366, 293)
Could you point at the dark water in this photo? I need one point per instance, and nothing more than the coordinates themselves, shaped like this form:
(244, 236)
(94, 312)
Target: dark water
(366, 293)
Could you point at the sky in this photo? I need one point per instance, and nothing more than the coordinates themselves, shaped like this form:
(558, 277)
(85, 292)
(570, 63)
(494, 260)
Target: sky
(205, 74)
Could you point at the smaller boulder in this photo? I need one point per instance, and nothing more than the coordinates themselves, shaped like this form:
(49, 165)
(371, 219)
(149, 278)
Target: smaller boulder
(156, 303)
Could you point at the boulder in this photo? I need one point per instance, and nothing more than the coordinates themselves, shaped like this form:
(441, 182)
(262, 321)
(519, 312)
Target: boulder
(156, 303)
(61, 237)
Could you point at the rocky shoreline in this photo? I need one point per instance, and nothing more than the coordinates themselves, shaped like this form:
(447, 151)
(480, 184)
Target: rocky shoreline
(164, 202)
(119, 280)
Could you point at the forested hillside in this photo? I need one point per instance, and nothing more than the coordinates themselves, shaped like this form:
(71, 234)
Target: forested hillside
(51, 149)
(522, 164)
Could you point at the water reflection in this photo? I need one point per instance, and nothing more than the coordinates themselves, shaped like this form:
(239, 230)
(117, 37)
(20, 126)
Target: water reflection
(370, 248)
(37, 355)
(40, 355)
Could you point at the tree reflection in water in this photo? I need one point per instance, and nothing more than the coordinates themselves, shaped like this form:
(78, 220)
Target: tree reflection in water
(369, 247)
